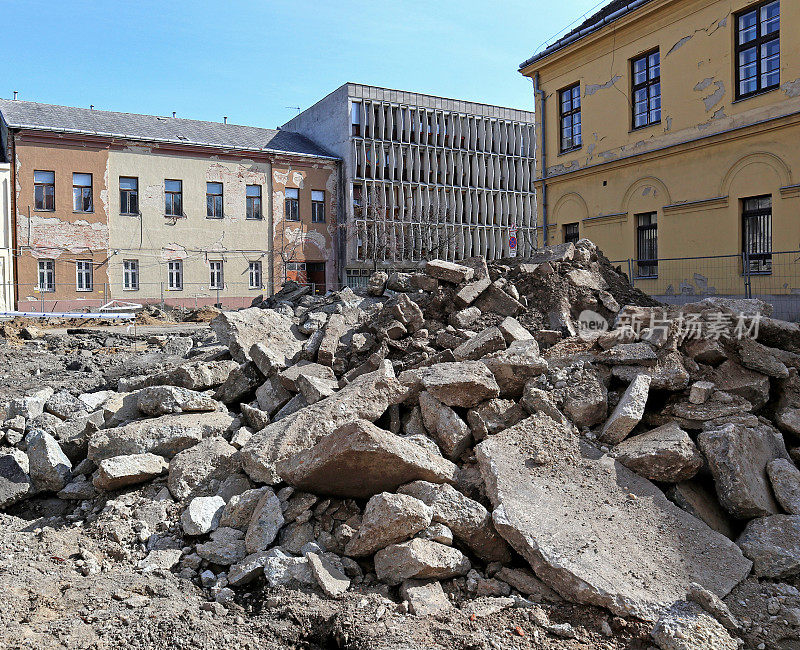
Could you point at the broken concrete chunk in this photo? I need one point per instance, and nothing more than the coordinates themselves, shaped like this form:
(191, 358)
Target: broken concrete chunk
(122, 471)
(760, 358)
(240, 384)
(495, 300)
(265, 522)
(445, 426)
(699, 502)
(464, 318)
(240, 330)
(462, 384)
(527, 583)
(202, 515)
(571, 512)
(664, 454)
(785, 479)
(701, 392)
(685, 626)
(166, 435)
(448, 271)
(714, 605)
(329, 347)
(30, 406)
(489, 340)
(773, 544)
(420, 559)
(64, 405)
(513, 330)
(738, 457)
(470, 292)
(160, 400)
(629, 411)
(225, 547)
(281, 570)
(193, 468)
(494, 415)
(469, 521)
(388, 519)
(557, 253)
(315, 389)
(290, 376)
(424, 597)
(272, 395)
(15, 484)
(367, 397)
(738, 380)
(359, 460)
(513, 367)
(330, 579)
(49, 467)
(640, 354)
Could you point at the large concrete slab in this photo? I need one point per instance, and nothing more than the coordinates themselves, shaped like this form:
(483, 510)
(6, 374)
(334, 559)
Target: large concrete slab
(595, 531)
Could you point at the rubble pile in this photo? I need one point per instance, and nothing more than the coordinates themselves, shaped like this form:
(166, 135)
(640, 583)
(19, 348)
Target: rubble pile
(454, 436)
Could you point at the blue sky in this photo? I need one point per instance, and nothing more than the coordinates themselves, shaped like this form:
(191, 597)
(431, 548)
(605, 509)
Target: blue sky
(253, 60)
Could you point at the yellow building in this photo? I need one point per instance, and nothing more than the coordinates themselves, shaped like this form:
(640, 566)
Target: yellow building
(668, 130)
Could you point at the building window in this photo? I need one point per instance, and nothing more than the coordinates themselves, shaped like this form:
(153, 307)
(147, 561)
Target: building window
(317, 206)
(175, 275)
(357, 199)
(173, 198)
(47, 275)
(214, 200)
(355, 118)
(254, 269)
(646, 74)
(130, 275)
(83, 275)
(647, 245)
(571, 233)
(570, 111)
(128, 195)
(44, 190)
(757, 233)
(253, 201)
(292, 204)
(758, 57)
(217, 281)
(82, 192)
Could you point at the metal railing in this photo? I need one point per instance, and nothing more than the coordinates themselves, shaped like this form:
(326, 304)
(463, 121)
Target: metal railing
(773, 277)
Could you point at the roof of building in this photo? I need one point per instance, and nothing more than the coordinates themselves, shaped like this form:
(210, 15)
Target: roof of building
(152, 128)
(608, 14)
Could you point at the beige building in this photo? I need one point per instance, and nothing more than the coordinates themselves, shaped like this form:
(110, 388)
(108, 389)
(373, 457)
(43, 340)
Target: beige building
(144, 208)
(667, 130)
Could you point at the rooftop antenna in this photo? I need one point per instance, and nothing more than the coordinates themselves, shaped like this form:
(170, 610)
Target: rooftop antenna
(225, 119)
(15, 94)
(91, 107)
(295, 108)
(173, 113)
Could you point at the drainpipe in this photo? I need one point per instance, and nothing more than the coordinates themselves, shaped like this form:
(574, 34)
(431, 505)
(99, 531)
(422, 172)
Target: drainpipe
(539, 93)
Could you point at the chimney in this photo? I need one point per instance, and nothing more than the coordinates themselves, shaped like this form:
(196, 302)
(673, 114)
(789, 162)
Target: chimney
(225, 119)
(91, 107)
(15, 94)
(173, 113)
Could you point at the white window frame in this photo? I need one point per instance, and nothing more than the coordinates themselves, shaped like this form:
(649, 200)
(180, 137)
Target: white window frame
(47, 273)
(175, 275)
(254, 270)
(84, 275)
(130, 275)
(217, 274)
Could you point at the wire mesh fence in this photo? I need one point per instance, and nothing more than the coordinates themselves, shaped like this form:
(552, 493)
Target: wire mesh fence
(772, 277)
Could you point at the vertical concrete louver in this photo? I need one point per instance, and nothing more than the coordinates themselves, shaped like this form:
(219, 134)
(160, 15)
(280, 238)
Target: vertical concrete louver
(426, 176)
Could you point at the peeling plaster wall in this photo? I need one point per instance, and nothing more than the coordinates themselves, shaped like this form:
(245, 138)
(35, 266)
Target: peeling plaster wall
(154, 239)
(62, 235)
(695, 167)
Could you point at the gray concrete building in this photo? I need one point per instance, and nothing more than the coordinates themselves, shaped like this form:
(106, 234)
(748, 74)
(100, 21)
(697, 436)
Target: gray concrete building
(425, 177)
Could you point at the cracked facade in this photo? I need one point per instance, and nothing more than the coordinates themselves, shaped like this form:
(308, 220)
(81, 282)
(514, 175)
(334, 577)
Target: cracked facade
(425, 176)
(681, 183)
(151, 209)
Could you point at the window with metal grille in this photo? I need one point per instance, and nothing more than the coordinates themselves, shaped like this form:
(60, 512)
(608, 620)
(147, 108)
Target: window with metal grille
(44, 190)
(83, 275)
(214, 200)
(317, 206)
(571, 233)
(570, 112)
(173, 198)
(175, 275)
(47, 275)
(757, 51)
(128, 195)
(217, 281)
(82, 192)
(646, 75)
(647, 245)
(292, 204)
(254, 270)
(130, 275)
(253, 201)
(757, 234)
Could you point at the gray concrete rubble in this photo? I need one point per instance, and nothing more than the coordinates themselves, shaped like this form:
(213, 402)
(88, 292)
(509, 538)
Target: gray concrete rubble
(439, 443)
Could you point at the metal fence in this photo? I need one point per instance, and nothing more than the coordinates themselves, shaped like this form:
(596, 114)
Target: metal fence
(773, 277)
